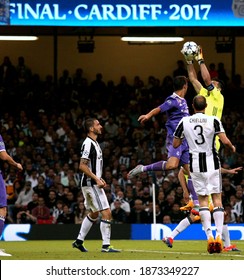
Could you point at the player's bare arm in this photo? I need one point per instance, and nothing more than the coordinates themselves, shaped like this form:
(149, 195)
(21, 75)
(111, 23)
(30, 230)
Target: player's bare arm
(193, 77)
(205, 74)
(203, 68)
(6, 157)
(182, 180)
(85, 169)
(231, 171)
(84, 161)
(226, 141)
(148, 116)
(192, 73)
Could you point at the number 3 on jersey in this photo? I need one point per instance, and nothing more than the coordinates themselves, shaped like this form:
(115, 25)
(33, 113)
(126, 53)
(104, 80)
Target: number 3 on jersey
(201, 138)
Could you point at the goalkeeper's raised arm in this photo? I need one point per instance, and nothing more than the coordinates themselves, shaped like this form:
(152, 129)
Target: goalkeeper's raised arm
(203, 68)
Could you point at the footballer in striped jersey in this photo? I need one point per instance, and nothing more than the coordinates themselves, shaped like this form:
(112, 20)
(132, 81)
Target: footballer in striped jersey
(200, 131)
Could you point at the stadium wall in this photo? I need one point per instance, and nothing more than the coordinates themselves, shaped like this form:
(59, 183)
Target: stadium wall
(24, 232)
(113, 58)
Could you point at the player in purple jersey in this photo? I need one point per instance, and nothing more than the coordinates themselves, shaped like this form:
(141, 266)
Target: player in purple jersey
(175, 107)
(4, 156)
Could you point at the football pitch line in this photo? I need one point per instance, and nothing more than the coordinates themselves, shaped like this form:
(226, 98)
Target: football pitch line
(184, 253)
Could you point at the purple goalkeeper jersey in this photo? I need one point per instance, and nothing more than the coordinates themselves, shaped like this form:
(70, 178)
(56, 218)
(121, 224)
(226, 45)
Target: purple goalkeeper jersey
(3, 197)
(175, 108)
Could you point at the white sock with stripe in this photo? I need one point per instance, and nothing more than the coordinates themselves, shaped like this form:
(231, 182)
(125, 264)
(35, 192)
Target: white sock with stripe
(185, 223)
(206, 220)
(218, 215)
(85, 227)
(105, 228)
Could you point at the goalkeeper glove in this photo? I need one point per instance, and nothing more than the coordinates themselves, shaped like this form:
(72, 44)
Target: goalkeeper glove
(199, 56)
(188, 59)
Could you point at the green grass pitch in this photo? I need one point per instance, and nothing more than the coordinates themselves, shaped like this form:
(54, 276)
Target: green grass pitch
(131, 250)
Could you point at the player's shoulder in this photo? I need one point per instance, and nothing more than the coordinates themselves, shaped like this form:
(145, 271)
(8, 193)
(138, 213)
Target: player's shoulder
(186, 119)
(87, 141)
(216, 91)
(169, 100)
(203, 91)
(214, 119)
(210, 116)
(216, 94)
(171, 97)
(175, 98)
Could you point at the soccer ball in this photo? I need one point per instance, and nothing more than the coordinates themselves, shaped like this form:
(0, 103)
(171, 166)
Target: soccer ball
(190, 50)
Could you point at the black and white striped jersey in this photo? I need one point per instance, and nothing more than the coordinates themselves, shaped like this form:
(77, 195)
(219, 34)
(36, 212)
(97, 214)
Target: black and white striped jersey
(91, 150)
(200, 131)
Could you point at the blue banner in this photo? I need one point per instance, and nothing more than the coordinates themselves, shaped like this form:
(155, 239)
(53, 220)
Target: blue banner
(111, 13)
(24, 232)
(193, 232)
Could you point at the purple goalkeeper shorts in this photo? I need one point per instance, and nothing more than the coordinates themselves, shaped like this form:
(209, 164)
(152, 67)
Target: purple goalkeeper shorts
(3, 195)
(182, 152)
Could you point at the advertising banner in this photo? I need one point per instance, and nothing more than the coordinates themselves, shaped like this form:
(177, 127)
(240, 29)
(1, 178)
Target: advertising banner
(130, 13)
(24, 232)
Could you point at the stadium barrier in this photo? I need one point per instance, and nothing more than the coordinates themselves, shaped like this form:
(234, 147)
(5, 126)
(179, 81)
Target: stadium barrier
(23, 232)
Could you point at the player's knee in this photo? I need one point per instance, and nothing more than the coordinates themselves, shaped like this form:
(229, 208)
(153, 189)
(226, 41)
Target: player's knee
(3, 211)
(106, 214)
(93, 215)
(172, 165)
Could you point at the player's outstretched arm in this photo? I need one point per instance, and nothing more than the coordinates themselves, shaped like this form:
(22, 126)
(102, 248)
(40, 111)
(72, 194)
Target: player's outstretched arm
(192, 73)
(6, 157)
(231, 171)
(205, 74)
(193, 77)
(148, 116)
(203, 68)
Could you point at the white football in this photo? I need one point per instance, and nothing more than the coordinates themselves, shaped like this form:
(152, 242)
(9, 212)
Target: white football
(190, 49)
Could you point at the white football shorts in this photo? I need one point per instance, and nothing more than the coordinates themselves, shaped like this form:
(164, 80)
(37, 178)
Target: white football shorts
(206, 183)
(95, 198)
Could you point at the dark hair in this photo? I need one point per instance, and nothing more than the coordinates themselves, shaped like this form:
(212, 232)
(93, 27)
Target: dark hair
(179, 82)
(221, 83)
(88, 124)
(199, 103)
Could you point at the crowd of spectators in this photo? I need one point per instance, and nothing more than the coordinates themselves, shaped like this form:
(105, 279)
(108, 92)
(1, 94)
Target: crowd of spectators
(43, 129)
